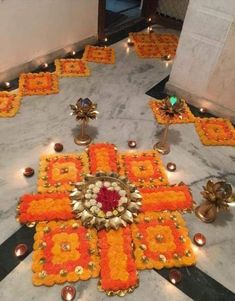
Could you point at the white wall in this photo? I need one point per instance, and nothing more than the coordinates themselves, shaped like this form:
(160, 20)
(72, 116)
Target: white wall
(33, 28)
(204, 67)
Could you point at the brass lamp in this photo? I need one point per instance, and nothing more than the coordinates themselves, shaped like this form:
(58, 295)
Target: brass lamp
(84, 110)
(171, 107)
(216, 197)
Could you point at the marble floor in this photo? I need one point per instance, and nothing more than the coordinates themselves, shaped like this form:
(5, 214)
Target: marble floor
(119, 90)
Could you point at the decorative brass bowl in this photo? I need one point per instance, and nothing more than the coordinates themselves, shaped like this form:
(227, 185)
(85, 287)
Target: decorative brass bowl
(216, 196)
(92, 214)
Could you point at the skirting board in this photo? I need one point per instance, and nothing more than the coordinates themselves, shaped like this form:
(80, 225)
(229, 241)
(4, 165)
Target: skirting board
(200, 102)
(14, 72)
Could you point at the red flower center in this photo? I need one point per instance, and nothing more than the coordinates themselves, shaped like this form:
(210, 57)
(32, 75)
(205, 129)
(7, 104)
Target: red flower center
(108, 198)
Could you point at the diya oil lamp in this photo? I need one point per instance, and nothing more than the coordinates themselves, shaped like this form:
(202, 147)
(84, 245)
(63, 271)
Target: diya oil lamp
(199, 239)
(172, 106)
(130, 42)
(84, 110)
(202, 110)
(68, 293)
(171, 166)
(28, 172)
(58, 147)
(217, 196)
(167, 57)
(175, 276)
(132, 143)
(21, 250)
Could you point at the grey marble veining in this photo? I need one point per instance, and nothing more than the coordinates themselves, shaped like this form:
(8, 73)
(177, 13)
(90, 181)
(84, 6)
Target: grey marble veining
(119, 91)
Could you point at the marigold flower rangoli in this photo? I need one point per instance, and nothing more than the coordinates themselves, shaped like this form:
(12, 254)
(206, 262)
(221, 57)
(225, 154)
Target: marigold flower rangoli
(9, 104)
(96, 54)
(71, 68)
(108, 224)
(215, 131)
(42, 83)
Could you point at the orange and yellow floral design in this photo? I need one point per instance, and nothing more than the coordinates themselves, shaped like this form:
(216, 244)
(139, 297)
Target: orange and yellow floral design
(64, 251)
(71, 68)
(142, 38)
(118, 270)
(162, 118)
(44, 207)
(103, 157)
(9, 104)
(144, 169)
(38, 83)
(161, 240)
(166, 198)
(215, 131)
(96, 54)
(57, 173)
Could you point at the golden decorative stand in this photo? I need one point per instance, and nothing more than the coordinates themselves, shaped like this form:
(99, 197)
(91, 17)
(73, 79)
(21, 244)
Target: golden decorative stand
(84, 110)
(163, 146)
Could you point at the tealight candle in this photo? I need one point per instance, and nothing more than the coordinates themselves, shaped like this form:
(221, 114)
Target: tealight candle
(150, 20)
(58, 147)
(44, 65)
(132, 143)
(171, 166)
(106, 39)
(7, 84)
(73, 52)
(175, 276)
(129, 42)
(199, 239)
(21, 250)
(28, 172)
(202, 110)
(68, 293)
(167, 57)
(150, 29)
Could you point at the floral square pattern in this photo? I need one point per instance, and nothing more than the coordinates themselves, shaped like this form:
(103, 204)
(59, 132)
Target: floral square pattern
(64, 251)
(38, 83)
(71, 68)
(9, 104)
(57, 173)
(102, 55)
(215, 131)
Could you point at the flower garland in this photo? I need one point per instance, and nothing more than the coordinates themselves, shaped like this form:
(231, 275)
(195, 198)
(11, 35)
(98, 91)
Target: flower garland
(44, 207)
(166, 198)
(64, 251)
(162, 118)
(215, 131)
(38, 83)
(161, 240)
(103, 157)
(71, 68)
(118, 270)
(102, 55)
(57, 173)
(9, 104)
(144, 169)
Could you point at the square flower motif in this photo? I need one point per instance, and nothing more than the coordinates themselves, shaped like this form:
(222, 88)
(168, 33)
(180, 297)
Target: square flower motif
(9, 104)
(148, 50)
(71, 68)
(103, 157)
(44, 207)
(166, 39)
(102, 55)
(161, 240)
(38, 83)
(57, 173)
(162, 198)
(118, 270)
(64, 251)
(144, 169)
(142, 38)
(162, 118)
(215, 131)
